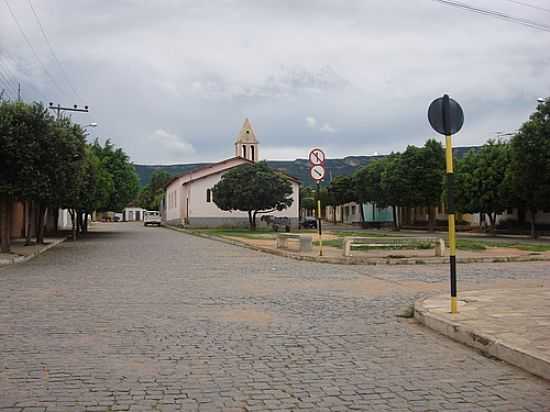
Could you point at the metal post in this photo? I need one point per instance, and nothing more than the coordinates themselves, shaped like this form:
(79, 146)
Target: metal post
(319, 219)
(451, 209)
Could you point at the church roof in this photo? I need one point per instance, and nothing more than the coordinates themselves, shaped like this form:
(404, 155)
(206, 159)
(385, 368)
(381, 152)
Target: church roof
(204, 168)
(215, 169)
(246, 135)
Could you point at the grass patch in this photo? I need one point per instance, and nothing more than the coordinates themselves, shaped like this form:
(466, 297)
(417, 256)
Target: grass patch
(260, 233)
(471, 245)
(478, 245)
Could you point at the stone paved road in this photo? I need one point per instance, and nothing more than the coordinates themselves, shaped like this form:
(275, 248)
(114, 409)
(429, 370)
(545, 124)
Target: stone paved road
(151, 319)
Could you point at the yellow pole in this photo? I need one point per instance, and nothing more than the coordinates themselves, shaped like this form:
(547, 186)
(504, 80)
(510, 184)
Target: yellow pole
(451, 218)
(319, 223)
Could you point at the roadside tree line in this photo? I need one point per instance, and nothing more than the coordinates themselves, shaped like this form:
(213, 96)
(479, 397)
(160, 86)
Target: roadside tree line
(500, 175)
(47, 165)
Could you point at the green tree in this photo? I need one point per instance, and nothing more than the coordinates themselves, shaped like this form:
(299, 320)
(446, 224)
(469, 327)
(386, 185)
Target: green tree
(151, 195)
(307, 198)
(481, 185)
(253, 188)
(394, 185)
(530, 163)
(423, 170)
(95, 188)
(123, 174)
(37, 159)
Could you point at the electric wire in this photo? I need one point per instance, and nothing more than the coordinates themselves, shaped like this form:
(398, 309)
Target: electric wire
(52, 52)
(532, 6)
(48, 74)
(495, 14)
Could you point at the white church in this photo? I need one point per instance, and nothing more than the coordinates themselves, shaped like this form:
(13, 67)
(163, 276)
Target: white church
(188, 197)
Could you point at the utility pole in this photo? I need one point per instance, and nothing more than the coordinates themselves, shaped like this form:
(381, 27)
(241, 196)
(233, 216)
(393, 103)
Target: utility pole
(18, 91)
(60, 108)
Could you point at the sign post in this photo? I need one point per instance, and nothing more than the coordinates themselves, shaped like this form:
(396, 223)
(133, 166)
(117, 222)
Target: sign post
(317, 173)
(446, 117)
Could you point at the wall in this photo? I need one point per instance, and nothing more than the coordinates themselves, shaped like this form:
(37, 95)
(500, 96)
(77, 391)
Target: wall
(206, 213)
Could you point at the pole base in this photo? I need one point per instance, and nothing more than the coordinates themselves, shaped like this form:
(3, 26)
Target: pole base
(454, 305)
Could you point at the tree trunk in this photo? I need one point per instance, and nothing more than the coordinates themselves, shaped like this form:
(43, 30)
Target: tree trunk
(41, 224)
(431, 219)
(334, 214)
(29, 221)
(251, 221)
(395, 224)
(362, 214)
(56, 220)
(79, 222)
(493, 222)
(85, 222)
(5, 225)
(72, 213)
(534, 233)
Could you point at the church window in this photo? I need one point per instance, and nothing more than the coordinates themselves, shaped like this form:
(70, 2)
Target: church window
(244, 151)
(208, 195)
(252, 153)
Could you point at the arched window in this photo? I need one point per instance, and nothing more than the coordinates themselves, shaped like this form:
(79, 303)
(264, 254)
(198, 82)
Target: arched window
(252, 153)
(244, 151)
(208, 195)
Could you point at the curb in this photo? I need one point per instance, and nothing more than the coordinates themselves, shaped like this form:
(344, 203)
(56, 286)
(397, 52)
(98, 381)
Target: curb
(21, 259)
(533, 362)
(359, 260)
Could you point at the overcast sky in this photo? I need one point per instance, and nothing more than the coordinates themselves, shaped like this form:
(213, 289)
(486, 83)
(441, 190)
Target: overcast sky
(172, 81)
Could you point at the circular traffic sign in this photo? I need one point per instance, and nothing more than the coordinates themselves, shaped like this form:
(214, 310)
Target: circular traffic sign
(445, 116)
(317, 172)
(316, 157)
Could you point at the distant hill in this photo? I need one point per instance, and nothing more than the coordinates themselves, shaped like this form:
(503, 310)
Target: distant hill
(298, 168)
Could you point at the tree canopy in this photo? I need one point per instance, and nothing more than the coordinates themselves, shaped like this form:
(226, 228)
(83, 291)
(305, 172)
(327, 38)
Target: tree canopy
(530, 162)
(253, 188)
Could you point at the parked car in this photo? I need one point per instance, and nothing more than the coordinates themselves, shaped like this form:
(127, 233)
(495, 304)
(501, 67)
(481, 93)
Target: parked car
(279, 223)
(151, 217)
(309, 222)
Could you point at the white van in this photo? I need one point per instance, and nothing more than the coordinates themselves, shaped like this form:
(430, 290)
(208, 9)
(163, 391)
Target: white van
(151, 217)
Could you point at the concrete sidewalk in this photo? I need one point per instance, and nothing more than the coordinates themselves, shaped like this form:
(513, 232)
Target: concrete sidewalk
(510, 324)
(21, 253)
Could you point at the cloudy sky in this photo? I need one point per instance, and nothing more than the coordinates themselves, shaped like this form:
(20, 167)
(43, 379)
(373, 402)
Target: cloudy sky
(171, 81)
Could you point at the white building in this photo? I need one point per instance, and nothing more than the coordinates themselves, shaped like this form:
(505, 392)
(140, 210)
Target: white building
(132, 214)
(188, 198)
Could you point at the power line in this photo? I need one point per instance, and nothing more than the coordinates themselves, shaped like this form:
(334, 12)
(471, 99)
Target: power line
(495, 14)
(32, 49)
(532, 6)
(75, 92)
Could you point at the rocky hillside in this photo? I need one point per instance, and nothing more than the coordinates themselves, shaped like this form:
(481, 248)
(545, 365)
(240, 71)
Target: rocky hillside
(298, 168)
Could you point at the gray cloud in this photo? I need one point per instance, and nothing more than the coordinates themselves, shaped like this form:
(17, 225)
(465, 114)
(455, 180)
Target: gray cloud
(172, 81)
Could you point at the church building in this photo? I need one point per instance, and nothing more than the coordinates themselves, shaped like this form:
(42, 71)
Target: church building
(188, 197)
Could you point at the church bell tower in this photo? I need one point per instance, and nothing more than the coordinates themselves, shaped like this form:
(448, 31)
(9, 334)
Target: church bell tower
(246, 145)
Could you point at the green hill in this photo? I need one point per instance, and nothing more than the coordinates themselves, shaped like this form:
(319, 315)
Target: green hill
(298, 168)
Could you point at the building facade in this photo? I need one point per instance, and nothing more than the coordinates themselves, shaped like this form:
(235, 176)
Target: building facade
(188, 198)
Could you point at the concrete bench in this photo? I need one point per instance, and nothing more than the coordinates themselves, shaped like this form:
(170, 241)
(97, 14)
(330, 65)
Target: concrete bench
(304, 241)
(349, 242)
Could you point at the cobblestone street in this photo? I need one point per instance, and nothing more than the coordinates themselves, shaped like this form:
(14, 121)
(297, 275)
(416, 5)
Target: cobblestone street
(147, 319)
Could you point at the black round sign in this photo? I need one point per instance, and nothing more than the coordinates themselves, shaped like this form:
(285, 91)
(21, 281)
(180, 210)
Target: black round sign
(446, 116)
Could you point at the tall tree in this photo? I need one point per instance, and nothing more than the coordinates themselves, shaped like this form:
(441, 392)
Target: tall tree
(123, 174)
(341, 190)
(253, 188)
(530, 163)
(481, 185)
(424, 170)
(394, 185)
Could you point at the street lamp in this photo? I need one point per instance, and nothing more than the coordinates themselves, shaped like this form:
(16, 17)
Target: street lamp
(90, 125)
(543, 100)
